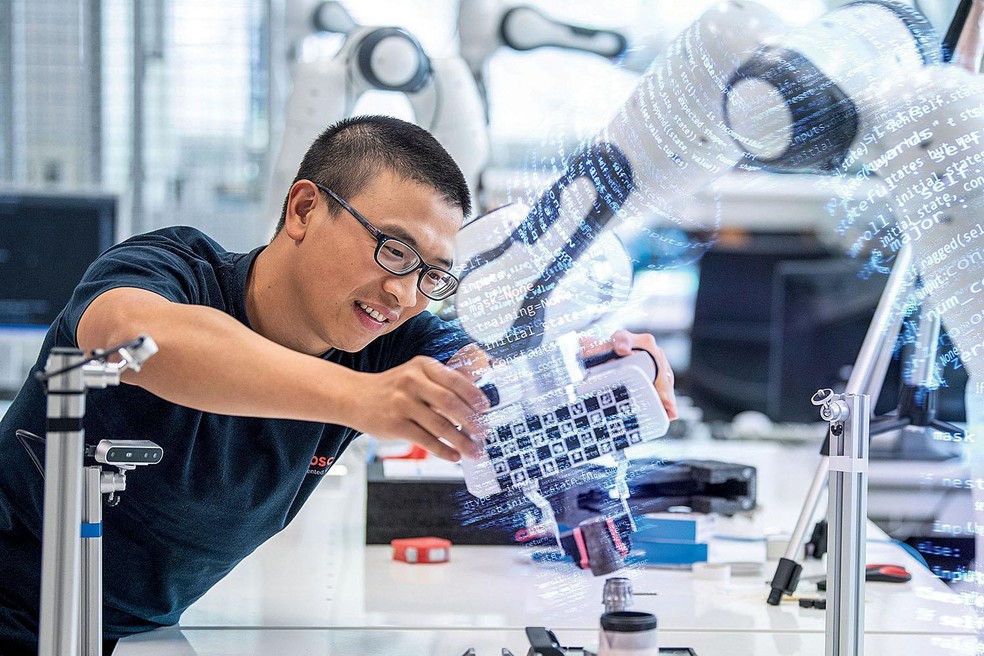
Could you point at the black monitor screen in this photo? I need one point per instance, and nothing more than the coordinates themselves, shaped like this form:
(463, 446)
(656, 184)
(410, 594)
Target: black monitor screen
(821, 313)
(46, 244)
(729, 361)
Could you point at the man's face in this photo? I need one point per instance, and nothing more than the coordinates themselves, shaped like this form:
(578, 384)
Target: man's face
(347, 300)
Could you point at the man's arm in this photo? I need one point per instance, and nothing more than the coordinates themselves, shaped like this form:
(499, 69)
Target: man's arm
(211, 362)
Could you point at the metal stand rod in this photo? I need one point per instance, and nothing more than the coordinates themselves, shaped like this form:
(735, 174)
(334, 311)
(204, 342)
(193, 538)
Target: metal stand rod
(91, 615)
(547, 516)
(813, 500)
(68, 374)
(867, 376)
(622, 487)
(847, 521)
(60, 552)
(875, 354)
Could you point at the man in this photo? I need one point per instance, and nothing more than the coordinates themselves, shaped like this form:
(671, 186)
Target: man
(269, 361)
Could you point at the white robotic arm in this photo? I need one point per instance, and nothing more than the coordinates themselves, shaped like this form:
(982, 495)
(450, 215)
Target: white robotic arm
(913, 125)
(486, 25)
(441, 93)
(668, 140)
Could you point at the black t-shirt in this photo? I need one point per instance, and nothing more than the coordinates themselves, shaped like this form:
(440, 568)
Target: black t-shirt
(225, 484)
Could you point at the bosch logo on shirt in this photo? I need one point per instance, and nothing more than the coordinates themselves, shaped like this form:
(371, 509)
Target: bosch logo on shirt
(321, 464)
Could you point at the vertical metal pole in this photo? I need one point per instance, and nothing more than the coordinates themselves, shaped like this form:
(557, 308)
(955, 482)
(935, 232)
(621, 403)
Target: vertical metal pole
(922, 366)
(137, 213)
(6, 92)
(60, 552)
(91, 615)
(91, 64)
(847, 529)
(19, 116)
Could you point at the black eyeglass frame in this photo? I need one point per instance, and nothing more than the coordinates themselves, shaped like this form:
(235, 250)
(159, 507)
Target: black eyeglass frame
(382, 237)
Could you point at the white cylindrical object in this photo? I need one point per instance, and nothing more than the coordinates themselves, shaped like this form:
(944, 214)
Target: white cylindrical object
(628, 633)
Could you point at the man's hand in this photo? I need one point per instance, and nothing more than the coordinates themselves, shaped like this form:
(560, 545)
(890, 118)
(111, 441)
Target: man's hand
(622, 342)
(423, 402)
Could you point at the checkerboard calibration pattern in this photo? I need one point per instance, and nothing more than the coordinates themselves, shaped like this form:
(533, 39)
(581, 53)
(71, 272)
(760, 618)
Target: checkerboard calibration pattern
(544, 444)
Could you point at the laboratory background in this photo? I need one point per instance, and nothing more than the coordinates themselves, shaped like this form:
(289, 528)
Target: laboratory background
(818, 300)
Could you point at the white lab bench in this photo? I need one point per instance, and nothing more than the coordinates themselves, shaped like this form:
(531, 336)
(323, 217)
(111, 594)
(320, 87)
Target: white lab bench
(317, 589)
(489, 642)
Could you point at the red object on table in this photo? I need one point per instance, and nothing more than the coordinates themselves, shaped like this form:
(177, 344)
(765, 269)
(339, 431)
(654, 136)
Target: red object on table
(421, 550)
(416, 452)
(887, 573)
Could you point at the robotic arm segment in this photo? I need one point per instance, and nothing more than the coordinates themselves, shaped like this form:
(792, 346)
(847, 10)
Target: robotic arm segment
(921, 32)
(667, 141)
(485, 25)
(797, 104)
(527, 28)
(546, 246)
(441, 93)
(774, 80)
(391, 59)
(925, 141)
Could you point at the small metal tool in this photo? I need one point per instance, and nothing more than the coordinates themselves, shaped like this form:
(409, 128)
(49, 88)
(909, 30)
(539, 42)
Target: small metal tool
(617, 594)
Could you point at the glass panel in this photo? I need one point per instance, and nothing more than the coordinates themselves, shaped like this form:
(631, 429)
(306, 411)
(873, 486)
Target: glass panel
(204, 133)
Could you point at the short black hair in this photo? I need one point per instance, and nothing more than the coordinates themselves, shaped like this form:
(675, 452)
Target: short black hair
(350, 153)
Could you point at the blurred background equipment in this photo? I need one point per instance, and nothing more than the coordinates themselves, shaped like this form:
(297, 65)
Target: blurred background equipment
(440, 91)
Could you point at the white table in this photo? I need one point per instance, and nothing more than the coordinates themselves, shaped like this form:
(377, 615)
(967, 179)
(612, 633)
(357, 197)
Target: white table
(319, 588)
(489, 642)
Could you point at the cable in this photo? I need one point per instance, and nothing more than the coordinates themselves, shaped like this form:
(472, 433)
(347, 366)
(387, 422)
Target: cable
(96, 356)
(23, 436)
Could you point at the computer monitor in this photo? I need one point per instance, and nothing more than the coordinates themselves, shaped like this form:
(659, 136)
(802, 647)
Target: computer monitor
(820, 316)
(46, 243)
(731, 334)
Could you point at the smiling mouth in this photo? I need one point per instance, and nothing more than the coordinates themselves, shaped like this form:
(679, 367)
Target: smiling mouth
(372, 313)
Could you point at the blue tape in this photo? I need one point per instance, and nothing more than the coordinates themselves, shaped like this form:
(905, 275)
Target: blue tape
(92, 530)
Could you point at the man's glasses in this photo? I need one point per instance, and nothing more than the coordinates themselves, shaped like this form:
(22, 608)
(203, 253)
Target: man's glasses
(400, 258)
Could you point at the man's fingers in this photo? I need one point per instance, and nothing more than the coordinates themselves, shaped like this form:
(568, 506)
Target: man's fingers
(418, 435)
(451, 407)
(439, 427)
(623, 342)
(668, 397)
(664, 385)
(461, 385)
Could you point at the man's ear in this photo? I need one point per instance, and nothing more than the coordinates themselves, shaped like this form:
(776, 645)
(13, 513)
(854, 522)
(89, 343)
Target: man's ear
(302, 200)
